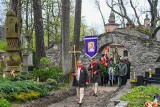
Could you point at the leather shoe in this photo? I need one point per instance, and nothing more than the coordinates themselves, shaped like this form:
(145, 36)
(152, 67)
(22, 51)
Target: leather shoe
(80, 103)
(95, 95)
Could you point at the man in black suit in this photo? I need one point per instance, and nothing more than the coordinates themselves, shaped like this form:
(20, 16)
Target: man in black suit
(80, 80)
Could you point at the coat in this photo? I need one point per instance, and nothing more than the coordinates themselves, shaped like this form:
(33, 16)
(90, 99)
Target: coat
(97, 69)
(82, 79)
(122, 69)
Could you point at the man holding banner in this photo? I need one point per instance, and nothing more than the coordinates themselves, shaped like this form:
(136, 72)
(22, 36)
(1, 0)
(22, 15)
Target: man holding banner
(91, 47)
(95, 69)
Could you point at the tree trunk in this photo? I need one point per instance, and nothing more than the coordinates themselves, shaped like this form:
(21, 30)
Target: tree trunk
(65, 20)
(77, 23)
(39, 33)
(48, 22)
(77, 27)
(27, 4)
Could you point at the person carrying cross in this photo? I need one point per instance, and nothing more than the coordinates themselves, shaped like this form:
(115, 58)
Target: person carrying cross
(80, 80)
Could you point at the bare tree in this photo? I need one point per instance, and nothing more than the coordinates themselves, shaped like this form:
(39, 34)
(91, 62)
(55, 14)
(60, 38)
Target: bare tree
(122, 5)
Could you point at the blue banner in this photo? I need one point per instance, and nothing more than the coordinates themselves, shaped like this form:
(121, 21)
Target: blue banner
(91, 46)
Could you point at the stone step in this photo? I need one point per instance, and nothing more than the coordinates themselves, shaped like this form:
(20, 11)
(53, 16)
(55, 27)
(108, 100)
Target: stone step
(122, 104)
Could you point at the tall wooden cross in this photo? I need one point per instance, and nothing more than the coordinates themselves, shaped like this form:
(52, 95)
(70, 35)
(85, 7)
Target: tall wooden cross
(74, 52)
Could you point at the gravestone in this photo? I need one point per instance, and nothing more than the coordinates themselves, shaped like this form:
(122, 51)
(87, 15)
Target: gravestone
(2, 60)
(27, 57)
(12, 56)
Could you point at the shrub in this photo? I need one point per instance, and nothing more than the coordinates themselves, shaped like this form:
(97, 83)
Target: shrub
(45, 73)
(51, 81)
(138, 95)
(9, 89)
(3, 45)
(21, 77)
(4, 103)
(45, 63)
(24, 96)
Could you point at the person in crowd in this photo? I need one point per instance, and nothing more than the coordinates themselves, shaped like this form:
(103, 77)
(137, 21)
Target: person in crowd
(128, 63)
(95, 69)
(122, 71)
(107, 74)
(111, 67)
(103, 69)
(80, 80)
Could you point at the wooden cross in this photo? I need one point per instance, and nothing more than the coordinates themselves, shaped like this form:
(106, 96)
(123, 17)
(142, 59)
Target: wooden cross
(74, 52)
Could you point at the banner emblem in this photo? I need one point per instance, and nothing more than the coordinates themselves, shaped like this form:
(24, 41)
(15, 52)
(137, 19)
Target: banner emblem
(91, 46)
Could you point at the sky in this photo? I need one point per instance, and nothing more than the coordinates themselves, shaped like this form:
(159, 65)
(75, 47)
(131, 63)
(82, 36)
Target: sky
(2, 12)
(92, 15)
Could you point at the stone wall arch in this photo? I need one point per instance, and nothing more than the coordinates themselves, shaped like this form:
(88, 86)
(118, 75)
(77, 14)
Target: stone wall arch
(143, 54)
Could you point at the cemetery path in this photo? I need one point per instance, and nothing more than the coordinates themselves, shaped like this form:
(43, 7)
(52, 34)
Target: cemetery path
(104, 94)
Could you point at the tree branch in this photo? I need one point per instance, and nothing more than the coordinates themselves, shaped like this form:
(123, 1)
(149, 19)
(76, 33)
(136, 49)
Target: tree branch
(98, 6)
(153, 10)
(135, 12)
(121, 14)
(124, 9)
(155, 32)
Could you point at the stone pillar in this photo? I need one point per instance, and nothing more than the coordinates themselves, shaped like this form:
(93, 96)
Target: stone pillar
(12, 56)
(27, 57)
(25, 62)
(2, 64)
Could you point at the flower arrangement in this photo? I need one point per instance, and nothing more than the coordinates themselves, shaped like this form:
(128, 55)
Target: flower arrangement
(150, 73)
(151, 104)
(133, 80)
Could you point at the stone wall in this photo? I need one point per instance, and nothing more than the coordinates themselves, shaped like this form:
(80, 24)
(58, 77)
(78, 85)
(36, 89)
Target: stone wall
(143, 54)
(54, 54)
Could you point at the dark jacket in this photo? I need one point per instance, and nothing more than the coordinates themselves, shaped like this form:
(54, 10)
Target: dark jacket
(122, 69)
(97, 69)
(82, 79)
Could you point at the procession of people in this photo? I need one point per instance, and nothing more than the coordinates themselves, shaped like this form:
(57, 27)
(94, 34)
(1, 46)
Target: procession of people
(103, 72)
(107, 69)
